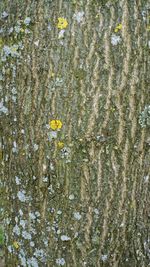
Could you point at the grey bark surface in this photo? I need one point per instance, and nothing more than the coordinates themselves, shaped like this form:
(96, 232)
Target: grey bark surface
(94, 191)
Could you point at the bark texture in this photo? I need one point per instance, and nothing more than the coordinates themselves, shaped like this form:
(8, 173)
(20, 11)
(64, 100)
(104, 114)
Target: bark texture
(85, 204)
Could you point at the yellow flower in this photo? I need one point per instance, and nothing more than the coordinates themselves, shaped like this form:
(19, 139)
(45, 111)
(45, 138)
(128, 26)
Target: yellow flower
(55, 124)
(118, 27)
(15, 244)
(60, 144)
(62, 23)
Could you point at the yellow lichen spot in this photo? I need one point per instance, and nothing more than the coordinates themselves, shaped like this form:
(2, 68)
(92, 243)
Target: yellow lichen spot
(97, 15)
(22, 30)
(112, 109)
(14, 49)
(60, 144)
(16, 244)
(62, 23)
(51, 74)
(55, 124)
(118, 27)
(148, 28)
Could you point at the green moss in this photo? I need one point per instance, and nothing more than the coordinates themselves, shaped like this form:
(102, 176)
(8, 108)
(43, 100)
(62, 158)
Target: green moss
(80, 74)
(1, 236)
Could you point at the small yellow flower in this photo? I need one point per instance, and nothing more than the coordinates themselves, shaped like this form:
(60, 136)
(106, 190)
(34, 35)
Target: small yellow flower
(55, 124)
(62, 23)
(118, 27)
(15, 244)
(60, 144)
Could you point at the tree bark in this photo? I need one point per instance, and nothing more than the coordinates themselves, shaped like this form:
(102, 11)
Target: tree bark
(85, 204)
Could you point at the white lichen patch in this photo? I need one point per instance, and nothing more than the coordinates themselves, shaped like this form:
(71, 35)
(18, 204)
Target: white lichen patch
(32, 230)
(79, 16)
(96, 211)
(16, 230)
(47, 126)
(52, 135)
(49, 27)
(32, 262)
(17, 28)
(37, 214)
(61, 34)
(32, 216)
(52, 166)
(14, 149)
(3, 109)
(20, 212)
(144, 118)
(32, 244)
(23, 261)
(76, 234)
(11, 29)
(26, 235)
(14, 98)
(10, 249)
(60, 261)
(65, 238)
(16, 219)
(37, 43)
(11, 50)
(35, 147)
(45, 241)
(45, 179)
(144, 14)
(71, 197)
(58, 232)
(77, 216)
(59, 212)
(39, 253)
(27, 21)
(23, 223)
(146, 178)
(65, 152)
(17, 179)
(4, 15)
(104, 257)
(115, 39)
(27, 31)
(21, 196)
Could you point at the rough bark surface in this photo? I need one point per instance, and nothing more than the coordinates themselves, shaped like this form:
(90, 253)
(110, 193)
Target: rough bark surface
(85, 204)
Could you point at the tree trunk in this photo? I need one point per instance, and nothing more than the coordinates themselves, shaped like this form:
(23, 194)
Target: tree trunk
(75, 195)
